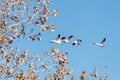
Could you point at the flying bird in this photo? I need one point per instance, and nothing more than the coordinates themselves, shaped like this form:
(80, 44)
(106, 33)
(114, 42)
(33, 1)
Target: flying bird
(95, 73)
(58, 40)
(101, 44)
(76, 42)
(52, 28)
(67, 40)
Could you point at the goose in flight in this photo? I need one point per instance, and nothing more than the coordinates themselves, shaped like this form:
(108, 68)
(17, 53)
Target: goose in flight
(67, 40)
(101, 44)
(76, 42)
(95, 73)
(52, 28)
(58, 40)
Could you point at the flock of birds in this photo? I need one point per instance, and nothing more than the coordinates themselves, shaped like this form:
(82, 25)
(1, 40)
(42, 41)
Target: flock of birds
(60, 40)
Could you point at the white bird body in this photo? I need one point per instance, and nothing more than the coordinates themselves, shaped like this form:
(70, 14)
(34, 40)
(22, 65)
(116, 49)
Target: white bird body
(67, 40)
(101, 44)
(58, 40)
(76, 42)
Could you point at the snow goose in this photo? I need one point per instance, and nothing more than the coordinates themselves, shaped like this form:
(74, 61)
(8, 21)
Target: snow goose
(67, 40)
(101, 44)
(76, 42)
(58, 40)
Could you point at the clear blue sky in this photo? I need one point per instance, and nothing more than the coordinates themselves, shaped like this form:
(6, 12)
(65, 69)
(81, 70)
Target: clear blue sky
(90, 21)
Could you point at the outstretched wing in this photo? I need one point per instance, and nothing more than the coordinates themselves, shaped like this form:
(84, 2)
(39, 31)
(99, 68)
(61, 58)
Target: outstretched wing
(58, 37)
(103, 41)
(78, 41)
(70, 37)
(62, 38)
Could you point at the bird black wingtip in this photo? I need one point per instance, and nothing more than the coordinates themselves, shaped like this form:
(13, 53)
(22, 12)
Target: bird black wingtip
(63, 38)
(73, 44)
(105, 38)
(71, 36)
(58, 35)
(80, 40)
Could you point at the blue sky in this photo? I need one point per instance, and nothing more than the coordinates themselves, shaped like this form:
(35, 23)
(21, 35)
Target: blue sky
(90, 21)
